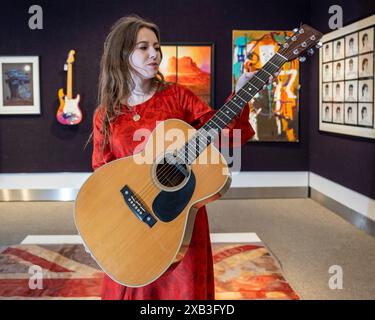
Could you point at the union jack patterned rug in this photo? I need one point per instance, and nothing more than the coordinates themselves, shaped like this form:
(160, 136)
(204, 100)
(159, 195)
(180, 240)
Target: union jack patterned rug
(27, 271)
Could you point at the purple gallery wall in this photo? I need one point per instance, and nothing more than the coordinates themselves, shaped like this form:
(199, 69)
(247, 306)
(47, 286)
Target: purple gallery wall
(349, 161)
(40, 144)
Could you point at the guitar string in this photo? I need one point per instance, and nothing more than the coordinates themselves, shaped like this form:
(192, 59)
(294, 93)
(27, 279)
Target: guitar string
(170, 170)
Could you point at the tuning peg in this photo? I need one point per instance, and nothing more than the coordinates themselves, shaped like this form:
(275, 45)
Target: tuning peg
(319, 45)
(302, 59)
(65, 67)
(310, 52)
(295, 30)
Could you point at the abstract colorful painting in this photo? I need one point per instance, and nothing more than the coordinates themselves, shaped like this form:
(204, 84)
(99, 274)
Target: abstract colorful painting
(190, 65)
(274, 113)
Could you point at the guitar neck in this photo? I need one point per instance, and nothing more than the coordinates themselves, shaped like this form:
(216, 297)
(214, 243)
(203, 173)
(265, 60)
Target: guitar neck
(230, 110)
(69, 90)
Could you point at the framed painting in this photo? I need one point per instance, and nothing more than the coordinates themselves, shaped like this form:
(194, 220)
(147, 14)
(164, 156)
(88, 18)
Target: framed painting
(191, 65)
(19, 85)
(346, 80)
(274, 112)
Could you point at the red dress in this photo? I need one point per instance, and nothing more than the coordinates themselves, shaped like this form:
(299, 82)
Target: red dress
(193, 277)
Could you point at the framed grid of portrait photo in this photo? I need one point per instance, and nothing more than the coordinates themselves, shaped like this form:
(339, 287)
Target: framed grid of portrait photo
(346, 80)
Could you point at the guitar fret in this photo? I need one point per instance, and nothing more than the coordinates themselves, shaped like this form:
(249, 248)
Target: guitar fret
(266, 77)
(273, 64)
(278, 54)
(252, 86)
(235, 103)
(272, 68)
(225, 115)
(267, 71)
(258, 78)
(244, 95)
(231, 109)
(241, 98)
(220, 120)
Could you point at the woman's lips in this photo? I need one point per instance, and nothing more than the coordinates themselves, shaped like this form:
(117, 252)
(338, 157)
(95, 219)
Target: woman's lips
(153, 65)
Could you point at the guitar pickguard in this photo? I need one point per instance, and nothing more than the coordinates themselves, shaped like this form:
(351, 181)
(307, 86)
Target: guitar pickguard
(168, 205)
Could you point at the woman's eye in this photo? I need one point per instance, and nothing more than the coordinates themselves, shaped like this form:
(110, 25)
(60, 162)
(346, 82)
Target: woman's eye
(143, 48)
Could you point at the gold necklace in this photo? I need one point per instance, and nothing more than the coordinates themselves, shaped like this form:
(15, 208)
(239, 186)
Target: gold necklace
(136, 116)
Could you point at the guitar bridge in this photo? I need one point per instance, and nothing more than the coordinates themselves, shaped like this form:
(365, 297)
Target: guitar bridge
(137, 207)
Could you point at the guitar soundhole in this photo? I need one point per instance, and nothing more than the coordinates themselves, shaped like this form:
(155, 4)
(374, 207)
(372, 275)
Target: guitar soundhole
(171, 175)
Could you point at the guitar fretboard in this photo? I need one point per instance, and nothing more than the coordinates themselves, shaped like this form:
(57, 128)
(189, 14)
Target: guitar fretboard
(231, 109)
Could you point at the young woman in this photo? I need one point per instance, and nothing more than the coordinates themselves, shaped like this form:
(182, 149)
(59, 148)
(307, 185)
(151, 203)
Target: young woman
(133, 95)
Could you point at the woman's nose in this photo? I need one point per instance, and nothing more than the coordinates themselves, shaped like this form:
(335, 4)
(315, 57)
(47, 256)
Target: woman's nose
(153, 52)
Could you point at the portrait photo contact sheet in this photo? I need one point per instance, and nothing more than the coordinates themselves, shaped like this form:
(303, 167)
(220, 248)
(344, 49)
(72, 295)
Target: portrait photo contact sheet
(346, 69)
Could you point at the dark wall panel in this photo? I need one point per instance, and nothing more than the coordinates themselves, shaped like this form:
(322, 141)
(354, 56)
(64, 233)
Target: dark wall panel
(40, 144)
(349, 161)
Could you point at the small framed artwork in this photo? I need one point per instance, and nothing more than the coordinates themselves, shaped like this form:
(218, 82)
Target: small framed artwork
(366, 40)
(350, 116)
(19, 85)
(338, 70)
(338, 113)
(191, 65)
(327, 52)
(327, 92)
(351, 94)
(366, 117)
(351, 68)
(346, 80)
(338, 49)
(365, 90)
(338, 91)
(351, 44)
(366, 65)
(327, 112)
(327, 72)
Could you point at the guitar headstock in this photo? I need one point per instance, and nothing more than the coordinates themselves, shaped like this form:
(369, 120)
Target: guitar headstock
(71, 56)
(302, 40)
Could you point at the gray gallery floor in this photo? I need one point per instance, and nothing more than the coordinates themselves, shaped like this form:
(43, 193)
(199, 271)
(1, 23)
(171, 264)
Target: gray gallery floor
(306, 238)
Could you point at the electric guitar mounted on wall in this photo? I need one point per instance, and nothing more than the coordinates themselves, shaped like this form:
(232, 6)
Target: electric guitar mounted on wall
(69, 112)
(137, 220)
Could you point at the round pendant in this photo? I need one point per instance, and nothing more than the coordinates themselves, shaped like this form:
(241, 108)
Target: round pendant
(136, 117)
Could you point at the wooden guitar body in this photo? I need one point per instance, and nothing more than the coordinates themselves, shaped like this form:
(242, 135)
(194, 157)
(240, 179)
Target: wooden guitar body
(129, 250)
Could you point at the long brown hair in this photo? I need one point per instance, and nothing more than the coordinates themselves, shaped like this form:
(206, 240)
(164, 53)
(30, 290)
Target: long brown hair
(115, 81)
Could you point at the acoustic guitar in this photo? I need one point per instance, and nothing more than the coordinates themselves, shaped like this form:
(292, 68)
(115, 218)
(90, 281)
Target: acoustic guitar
(69, 112)
(136, 217)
